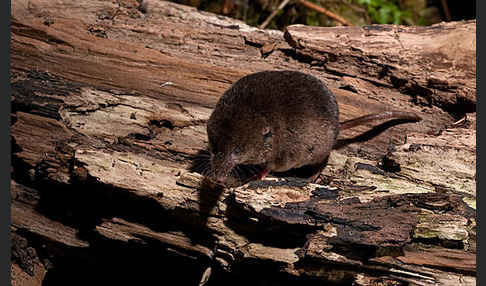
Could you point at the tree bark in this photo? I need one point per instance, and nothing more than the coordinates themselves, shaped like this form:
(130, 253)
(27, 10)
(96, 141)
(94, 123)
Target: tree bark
(109, 104)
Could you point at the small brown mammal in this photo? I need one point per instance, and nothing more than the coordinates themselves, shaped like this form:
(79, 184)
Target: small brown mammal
(278, 121)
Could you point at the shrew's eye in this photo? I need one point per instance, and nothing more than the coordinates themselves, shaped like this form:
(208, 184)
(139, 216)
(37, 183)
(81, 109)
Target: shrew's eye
(267, 135)
(237, 151)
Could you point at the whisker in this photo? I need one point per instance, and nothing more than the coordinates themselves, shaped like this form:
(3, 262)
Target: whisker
(200, 162)
(242, 173)
(249, 171)
(205, 170)
(234, 172)
(253, 169)
(199, 166)
(203, 155)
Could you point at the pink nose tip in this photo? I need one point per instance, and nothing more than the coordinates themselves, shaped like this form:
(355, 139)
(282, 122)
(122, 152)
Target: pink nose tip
(221, 179)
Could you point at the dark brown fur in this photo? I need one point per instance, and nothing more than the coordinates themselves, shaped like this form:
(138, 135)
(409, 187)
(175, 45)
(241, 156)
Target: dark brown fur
(277, 120)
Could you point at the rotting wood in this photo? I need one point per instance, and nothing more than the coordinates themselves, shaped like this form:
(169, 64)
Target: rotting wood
(101, 144)
(435, 68)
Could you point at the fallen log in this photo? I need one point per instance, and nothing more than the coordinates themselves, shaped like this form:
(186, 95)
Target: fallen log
(109, 104)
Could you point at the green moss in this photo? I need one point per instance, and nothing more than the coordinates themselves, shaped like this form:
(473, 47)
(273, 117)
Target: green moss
(434, 226)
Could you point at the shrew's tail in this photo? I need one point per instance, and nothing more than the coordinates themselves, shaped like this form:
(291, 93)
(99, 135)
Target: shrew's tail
(401, 115)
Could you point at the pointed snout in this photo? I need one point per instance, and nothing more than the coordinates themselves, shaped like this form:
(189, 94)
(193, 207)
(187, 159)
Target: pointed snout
(221, 168)
(221, 179)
